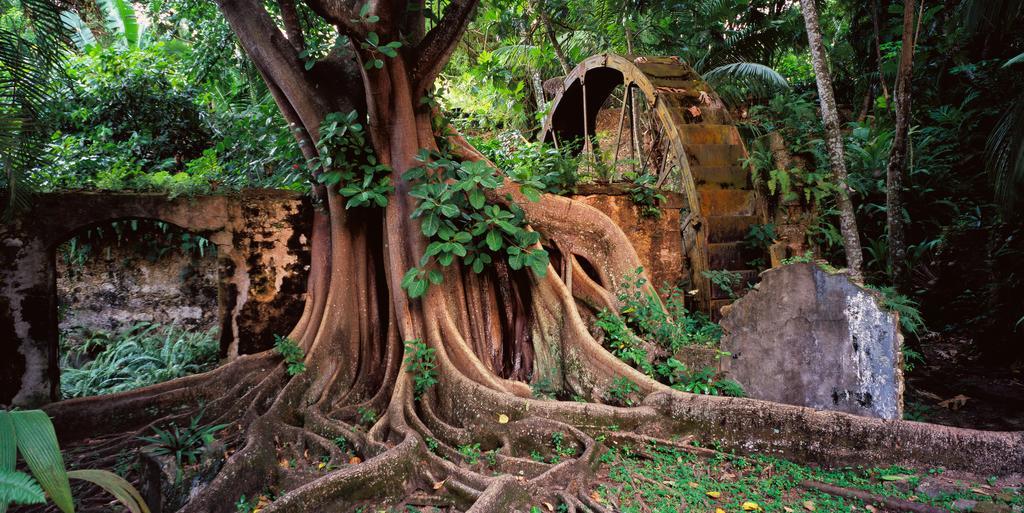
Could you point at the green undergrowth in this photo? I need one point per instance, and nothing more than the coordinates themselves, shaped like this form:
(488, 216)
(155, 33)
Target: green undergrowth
(662, 479)
(141, 355)
(657, 478)
(650, 334)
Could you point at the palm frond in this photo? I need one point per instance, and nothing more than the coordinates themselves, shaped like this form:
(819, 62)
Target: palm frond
(755, 77)
(1004, 155)
(1015, 60)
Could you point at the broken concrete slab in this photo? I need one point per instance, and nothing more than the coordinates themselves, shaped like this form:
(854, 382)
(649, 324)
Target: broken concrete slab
(810, 338)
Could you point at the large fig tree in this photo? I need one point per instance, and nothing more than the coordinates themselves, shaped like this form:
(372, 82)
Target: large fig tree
(439, 292)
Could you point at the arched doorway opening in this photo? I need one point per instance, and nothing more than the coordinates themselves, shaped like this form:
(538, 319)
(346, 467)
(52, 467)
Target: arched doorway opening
(138, 303)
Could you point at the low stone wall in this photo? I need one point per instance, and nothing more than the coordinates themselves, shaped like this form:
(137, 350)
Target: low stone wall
(262, 242)
(657, 241)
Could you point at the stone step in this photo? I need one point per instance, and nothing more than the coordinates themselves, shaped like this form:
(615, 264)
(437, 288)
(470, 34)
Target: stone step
(727, 176)
(729, 228)
(716, 202)
(709, 134)
(714, 155)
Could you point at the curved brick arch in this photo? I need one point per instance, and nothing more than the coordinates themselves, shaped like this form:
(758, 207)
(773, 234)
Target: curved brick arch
(263, 253)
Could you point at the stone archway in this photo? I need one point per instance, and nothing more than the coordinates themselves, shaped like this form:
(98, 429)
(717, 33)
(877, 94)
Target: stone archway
(262, 244)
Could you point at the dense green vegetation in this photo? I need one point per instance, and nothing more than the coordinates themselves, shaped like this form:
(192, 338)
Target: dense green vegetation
(159, 97)
(140, 355)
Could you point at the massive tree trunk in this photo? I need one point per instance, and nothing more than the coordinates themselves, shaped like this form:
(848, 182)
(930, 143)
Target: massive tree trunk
(492, 334)
(833, 141)
(898, 156)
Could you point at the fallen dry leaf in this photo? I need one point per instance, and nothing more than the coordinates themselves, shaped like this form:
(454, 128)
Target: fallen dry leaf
(694, 111)
(355, 460)
(693, 485)
(714, 495)
(809, 505)
(502, 419)
(787, 509)
(439, 484)
(719, 510)
(871, 508)
(751, 506)
(548, 505)
(704, 98)
(955, 403)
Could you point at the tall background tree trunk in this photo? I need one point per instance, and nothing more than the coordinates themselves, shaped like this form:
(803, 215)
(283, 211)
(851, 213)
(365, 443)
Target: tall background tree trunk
(898, 156)
(834, 141)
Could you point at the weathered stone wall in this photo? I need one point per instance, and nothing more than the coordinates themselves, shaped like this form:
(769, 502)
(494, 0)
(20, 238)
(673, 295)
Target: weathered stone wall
(119, 284)
(262, 241)
(658, 241)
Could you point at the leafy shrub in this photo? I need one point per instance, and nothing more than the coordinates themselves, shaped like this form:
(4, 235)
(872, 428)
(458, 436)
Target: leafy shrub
(126, 108)
(622, 391)
(670, 324)
(459, 222)
(644, 195)
(293, 355)
(531, 163)
(348, 161)
(141, 355)
(728, 281)
(419, 361)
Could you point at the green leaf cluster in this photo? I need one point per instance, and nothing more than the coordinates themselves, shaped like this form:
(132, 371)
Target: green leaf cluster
(419, 361)
(346, 160)
(184, 443)
(459, 222)
(294, 356)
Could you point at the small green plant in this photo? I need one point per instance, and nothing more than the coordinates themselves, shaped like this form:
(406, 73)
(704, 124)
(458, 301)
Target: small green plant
(562, 449)
(910, 316)
(244, 505)
(291, 352)
(341, 443)
(419, 361)
(911, 358)
(30, 433)
(705, 381)
(184, 443)
(367, 416)
(470, 453)
(728, 281)
(643, 194)
(622, 390)
(432, 444)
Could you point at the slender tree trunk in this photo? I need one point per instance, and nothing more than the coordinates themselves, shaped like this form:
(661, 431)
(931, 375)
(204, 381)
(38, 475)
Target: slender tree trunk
(833, 141)
(549, 30)
(898, 156)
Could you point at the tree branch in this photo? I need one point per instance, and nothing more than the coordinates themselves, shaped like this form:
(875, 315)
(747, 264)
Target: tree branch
(437, 46)
(292, 27)
(275, 58)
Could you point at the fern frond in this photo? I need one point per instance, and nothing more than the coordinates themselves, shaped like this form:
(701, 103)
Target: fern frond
(19, 488)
